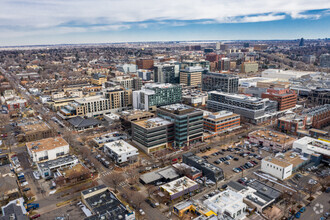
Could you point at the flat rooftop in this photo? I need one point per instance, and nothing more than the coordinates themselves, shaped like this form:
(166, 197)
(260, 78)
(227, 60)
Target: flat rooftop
(120, 147)
(152, 123)
(159, 85)
(37, 127)
(274, 136)
(240, 97)
(53, 164)
(277, 161)
(222, 115)
(178, 185)
(46, 144)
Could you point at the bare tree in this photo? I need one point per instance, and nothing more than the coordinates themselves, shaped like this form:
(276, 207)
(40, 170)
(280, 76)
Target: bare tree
(115, 179)
(310, 189)
(151, 189)
(133, 176)
(324, 182)
(137, 199)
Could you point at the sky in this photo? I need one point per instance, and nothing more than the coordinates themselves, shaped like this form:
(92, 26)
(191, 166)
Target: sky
(37, 22)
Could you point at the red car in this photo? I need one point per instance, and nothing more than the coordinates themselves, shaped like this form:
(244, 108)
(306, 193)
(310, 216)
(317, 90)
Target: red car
(35, 216)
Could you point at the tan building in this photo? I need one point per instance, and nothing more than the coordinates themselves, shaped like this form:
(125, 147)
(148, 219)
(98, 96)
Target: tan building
(35, 131)
(274, 84)
(127, 117)
(120, 98)
(249, 67)
(98, 79)
(191, 76)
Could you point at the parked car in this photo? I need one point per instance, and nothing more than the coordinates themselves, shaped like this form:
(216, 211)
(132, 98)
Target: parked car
(24, 183)
(26, 189)
(142, 212)
(35, 216)
(36, 175)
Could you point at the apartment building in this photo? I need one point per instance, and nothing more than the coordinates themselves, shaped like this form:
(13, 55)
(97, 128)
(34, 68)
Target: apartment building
(188, 122)
(221, 82)
(320, 116)
(166, 73)
(252, 109)
(191, 76)
(98, 79)
(128, 82)
(119, 98)
(152, 135)
(92, 106)
(47, 149)
(145, 63)
(154, 95)
(249, 67)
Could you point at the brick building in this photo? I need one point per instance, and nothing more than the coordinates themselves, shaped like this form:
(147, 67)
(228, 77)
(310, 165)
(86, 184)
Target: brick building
(320, 116)
(145, 63)
(285, 98)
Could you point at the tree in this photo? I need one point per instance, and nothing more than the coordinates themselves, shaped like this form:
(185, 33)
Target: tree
(151, 189)
(133, 176)
(115, 179)
(137, 199)
(310, 189)
(324, 182)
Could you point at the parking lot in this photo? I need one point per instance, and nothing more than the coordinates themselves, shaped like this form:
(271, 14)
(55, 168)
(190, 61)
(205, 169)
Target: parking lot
(66, 212)
(244, 157)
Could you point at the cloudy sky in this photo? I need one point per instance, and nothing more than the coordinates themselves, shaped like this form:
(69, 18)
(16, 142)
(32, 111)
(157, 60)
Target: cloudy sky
(29, 22)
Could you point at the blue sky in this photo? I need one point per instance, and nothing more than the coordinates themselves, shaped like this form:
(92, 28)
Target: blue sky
(30, 22)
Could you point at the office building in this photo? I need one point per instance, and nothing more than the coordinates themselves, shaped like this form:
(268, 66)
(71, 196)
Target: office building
(275, 140)
(254, 110)
(229, 203)
(145, 64)
(166, 73)
(127, 117)
(179, 187)
(104, 204)
(224, 64)
(204, 64)
(191, 76)
(285, 98)
(34, 130)
(98, 79)
(154, 95)
(219, 122)
(152, 135)
(325, 60)
(221, 82)
(121, 152)
(320, 116)
(188, 122)
(292, 123)
(47, 149)
(209, 171)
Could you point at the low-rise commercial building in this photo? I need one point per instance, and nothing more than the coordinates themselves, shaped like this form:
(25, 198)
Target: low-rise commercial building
(292, 123)
(121, 152)
(209, 171)
(34, 130)
(48, 168)
(228, 203)
(162, 175)
(320, 116)
(190, 206)
(47, 149)
(271, 139)
(108, 138)
(194, 97)
(103, 204)
(309, 146)
(127, 117)
(152, 134)
(82, 124)
(219, 122)
(178, 188)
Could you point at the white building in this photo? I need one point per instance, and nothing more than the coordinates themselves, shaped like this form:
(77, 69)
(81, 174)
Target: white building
(309, 145)
(227, 202)
(45, 99)
(121, 152)
(47, 149)
(276, 167)
(284, 75)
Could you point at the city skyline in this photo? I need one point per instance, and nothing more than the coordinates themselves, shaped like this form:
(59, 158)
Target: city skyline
(35, 22)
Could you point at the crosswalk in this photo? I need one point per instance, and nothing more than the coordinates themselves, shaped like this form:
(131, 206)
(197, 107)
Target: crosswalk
(107, 173)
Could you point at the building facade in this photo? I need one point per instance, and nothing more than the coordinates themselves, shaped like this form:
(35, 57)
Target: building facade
(145, 63)
(222, 121)
(191, 76)
(154, 95)
(187, 120)
(222, 82)
(165, 73)
(285, 98)
(121, 152)
(320, 116)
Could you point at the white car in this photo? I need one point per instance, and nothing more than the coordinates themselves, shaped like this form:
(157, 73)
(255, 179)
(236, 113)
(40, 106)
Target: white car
(24, 183)
(19, 169)
(142, 212)
(36, 175)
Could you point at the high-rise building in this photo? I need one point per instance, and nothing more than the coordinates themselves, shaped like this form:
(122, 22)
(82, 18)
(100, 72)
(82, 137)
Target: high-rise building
(154, 95)
(145, 75)
(222, 82)
(120, 98)
(188, 123)
(128, 82)
(285, 98)
(302, 42)
(212, 57)
(251, 109)
(224, 64)
(204, 64)
(191, 76)
(166, 73)
(145, 63)
(325, 60)
(218, 45)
